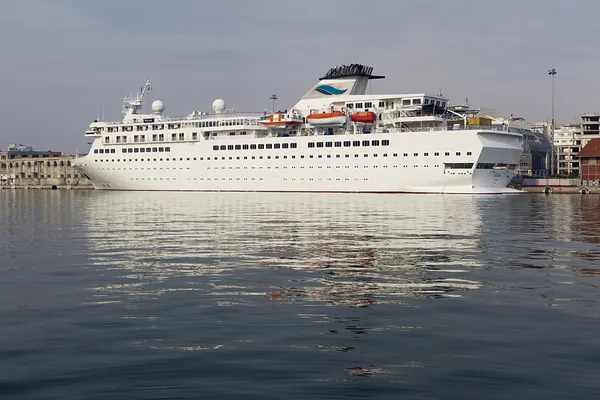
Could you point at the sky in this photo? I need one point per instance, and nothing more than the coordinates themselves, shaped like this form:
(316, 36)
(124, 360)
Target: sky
(63, 60)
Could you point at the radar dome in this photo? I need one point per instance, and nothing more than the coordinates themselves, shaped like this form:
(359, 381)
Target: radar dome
(219, 106)
(158, 107)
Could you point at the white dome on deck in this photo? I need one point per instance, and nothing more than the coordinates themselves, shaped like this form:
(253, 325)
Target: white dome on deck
(219, 106)
(158, 107)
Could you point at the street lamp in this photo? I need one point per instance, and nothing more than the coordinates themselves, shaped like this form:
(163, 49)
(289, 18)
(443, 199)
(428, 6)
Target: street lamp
(273, 97)
(552, 72)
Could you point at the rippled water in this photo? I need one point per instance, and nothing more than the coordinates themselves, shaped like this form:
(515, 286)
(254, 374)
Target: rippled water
(188, 295)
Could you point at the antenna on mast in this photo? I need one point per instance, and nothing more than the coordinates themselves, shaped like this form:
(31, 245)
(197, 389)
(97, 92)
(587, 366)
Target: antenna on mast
(131, 106)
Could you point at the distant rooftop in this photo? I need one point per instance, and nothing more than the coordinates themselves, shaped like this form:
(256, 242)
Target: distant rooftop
(592, 149)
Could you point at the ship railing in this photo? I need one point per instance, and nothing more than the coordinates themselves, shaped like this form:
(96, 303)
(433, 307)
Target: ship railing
(443, 128)
(453, 128)
(186, 118)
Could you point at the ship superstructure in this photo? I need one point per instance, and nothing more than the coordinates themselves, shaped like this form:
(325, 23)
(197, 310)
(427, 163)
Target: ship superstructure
(335, 139)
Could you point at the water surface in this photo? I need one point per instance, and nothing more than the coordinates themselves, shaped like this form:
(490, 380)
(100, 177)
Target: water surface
(137, 295)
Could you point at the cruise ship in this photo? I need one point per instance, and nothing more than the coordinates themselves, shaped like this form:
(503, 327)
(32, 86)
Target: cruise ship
(336, 138)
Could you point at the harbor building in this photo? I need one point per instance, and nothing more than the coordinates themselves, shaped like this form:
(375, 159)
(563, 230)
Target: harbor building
(590, 127)
(21, 166)
(567, 143)
(590, 162)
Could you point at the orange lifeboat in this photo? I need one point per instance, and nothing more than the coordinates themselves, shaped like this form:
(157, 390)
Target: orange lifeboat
(366, 117)
(281, 121)
(335, 118)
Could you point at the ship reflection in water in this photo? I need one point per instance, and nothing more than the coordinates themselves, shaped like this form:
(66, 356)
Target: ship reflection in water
(344, 250)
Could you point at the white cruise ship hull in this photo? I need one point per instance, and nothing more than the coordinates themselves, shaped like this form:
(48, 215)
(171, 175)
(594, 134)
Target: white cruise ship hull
(455, 161)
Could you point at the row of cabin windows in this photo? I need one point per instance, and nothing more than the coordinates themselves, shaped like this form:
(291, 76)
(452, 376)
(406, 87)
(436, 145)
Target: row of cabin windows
(369, 104)
(349, 143)
(285, 179)
(161, 137)
(366, 104)
(437, 103)
(405, 102)
(465, 167)
(449, 165)
(260, 146)
(135, 150)
(246, 158)
(198, 124)
(28, 164)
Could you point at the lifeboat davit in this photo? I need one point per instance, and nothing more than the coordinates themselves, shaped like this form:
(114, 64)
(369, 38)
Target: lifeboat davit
(281, 121)
(336, 118)
(366, 117)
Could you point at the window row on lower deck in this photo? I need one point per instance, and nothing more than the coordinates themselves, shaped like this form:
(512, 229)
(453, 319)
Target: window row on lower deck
(277, 157)
(210, 170)
(301, 156)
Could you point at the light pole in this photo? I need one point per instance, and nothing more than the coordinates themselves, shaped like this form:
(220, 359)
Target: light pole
(273, 97)
(552, 72)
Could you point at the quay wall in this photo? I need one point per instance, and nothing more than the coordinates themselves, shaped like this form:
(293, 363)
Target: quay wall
(563, 190)
(557, 185)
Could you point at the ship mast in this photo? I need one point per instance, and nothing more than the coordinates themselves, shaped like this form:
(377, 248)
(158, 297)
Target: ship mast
(132, 105)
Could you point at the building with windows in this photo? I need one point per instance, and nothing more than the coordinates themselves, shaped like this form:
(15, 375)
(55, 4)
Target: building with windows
(28, 168)
(590, 128)
(590, 162)
(567, 143)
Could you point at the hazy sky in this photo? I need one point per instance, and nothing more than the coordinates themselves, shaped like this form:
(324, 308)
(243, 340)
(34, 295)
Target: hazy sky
(59, 59)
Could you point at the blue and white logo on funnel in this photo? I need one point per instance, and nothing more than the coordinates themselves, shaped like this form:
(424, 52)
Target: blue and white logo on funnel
(329, 90)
